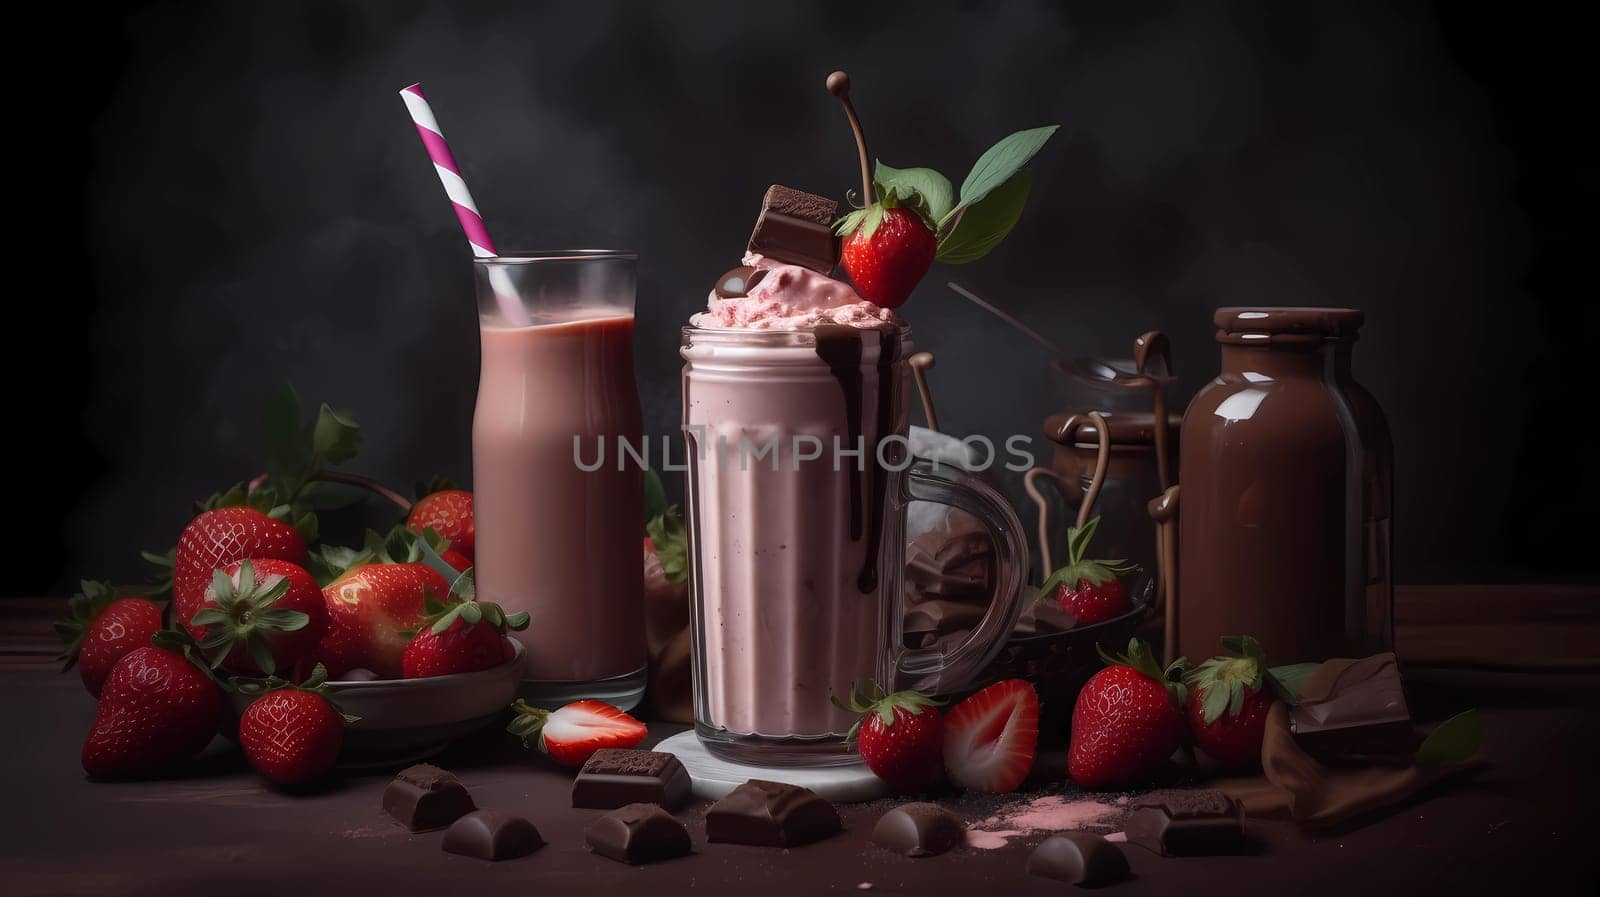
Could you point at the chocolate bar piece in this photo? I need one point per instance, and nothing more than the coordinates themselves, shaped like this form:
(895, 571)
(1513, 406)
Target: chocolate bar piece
(1187, 823)
(797, 228)
(771, 814)
(492, 835)
(614, 778)
(1354, 708)
(919, 830)
(1079, 858)
(424, 797)
(638, 833)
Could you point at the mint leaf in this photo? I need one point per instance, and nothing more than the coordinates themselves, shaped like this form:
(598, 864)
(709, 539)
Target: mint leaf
(336, 437)
(997, 165)
(1287, 680)
(981, 227)
(1456, 739)
(923, 189)
(655, 496)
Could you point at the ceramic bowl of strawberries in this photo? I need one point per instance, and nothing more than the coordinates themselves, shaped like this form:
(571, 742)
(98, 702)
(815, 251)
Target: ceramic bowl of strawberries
(410, 679)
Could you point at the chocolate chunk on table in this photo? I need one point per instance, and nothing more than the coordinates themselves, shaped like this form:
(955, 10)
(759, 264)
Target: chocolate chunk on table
(919, 830)
(1354, 709)
(796, 228)
(424, 797)
(1079, 858)
(492, 835)
(638, 833)
(614, 778)
(771, 814)
(1187, 823)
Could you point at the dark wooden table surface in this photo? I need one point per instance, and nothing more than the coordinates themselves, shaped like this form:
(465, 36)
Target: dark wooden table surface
(1524, 823)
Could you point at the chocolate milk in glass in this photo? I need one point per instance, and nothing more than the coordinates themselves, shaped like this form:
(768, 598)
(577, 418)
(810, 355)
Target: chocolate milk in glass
(556, 394)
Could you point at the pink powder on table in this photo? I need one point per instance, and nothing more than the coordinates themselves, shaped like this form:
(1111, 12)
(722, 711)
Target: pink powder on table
(1051, 813)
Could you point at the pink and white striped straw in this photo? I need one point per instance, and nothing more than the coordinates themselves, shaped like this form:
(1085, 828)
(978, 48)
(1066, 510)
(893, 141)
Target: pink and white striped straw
(455, 187)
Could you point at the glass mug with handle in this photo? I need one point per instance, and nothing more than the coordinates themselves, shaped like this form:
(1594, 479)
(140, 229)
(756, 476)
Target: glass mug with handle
(798, 483)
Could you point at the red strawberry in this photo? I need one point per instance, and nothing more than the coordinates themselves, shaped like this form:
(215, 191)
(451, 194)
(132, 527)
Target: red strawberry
(460, 635)
(1089, 590)
(260, 616)
(457, 561)
(157, 709)
(989, 739)
(369, 608)
(449, 513)
(100, 629)
(291, 734)
(900, 736)
(1126, 723)
(887, 251)
(216, 539)
(1228, 703)
(571, 734)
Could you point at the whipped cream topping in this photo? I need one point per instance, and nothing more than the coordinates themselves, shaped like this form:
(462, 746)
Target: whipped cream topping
(791, 298)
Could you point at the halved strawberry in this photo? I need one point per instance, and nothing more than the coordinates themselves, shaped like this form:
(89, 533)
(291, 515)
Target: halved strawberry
(571, 734)
(989, 739)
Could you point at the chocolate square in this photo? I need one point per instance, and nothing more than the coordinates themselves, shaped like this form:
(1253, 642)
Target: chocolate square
(796, 228)
(424, 797)
(771, 814)
(638, 833)
(1187, 823)
(492, 835)
(614, 778)
(1354, 709)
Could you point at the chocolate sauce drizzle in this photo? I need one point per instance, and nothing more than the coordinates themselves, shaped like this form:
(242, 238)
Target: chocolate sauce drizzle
(840, 347)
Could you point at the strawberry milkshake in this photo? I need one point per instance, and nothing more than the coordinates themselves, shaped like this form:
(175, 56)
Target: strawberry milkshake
(795, 415)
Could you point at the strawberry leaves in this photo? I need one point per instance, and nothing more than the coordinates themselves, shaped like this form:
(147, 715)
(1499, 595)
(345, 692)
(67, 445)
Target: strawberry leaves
(923, 190)
(665, 528)
(868, 698)
(1142, 659)
(245, 615)
(82, 608)
(462, 604)
(1094, 572)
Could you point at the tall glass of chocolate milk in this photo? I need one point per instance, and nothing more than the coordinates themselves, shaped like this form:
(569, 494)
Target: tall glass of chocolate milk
(558, 510)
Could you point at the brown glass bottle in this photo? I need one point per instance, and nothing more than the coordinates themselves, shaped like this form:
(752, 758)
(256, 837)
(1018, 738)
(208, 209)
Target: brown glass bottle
(1283, 526)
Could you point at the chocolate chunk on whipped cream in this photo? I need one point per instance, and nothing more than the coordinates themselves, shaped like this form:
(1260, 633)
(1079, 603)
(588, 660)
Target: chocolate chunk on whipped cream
(796, 228)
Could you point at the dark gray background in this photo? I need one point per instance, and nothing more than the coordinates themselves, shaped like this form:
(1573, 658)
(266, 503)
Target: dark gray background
(255, 207)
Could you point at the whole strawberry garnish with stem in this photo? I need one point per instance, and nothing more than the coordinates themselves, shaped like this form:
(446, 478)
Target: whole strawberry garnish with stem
(1229, 698)
(219, 537)
(900, 736)
(571, 734)
(1126, 723)
(101, 627)
(460, 634)
(448, 512)
(1090, 590)
(908, 218)
(158, 707)
(291, 733)
(990, 738)
(260, 616)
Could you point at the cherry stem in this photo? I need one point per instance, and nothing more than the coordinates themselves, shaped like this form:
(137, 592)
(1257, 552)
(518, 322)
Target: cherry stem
(839, 86)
